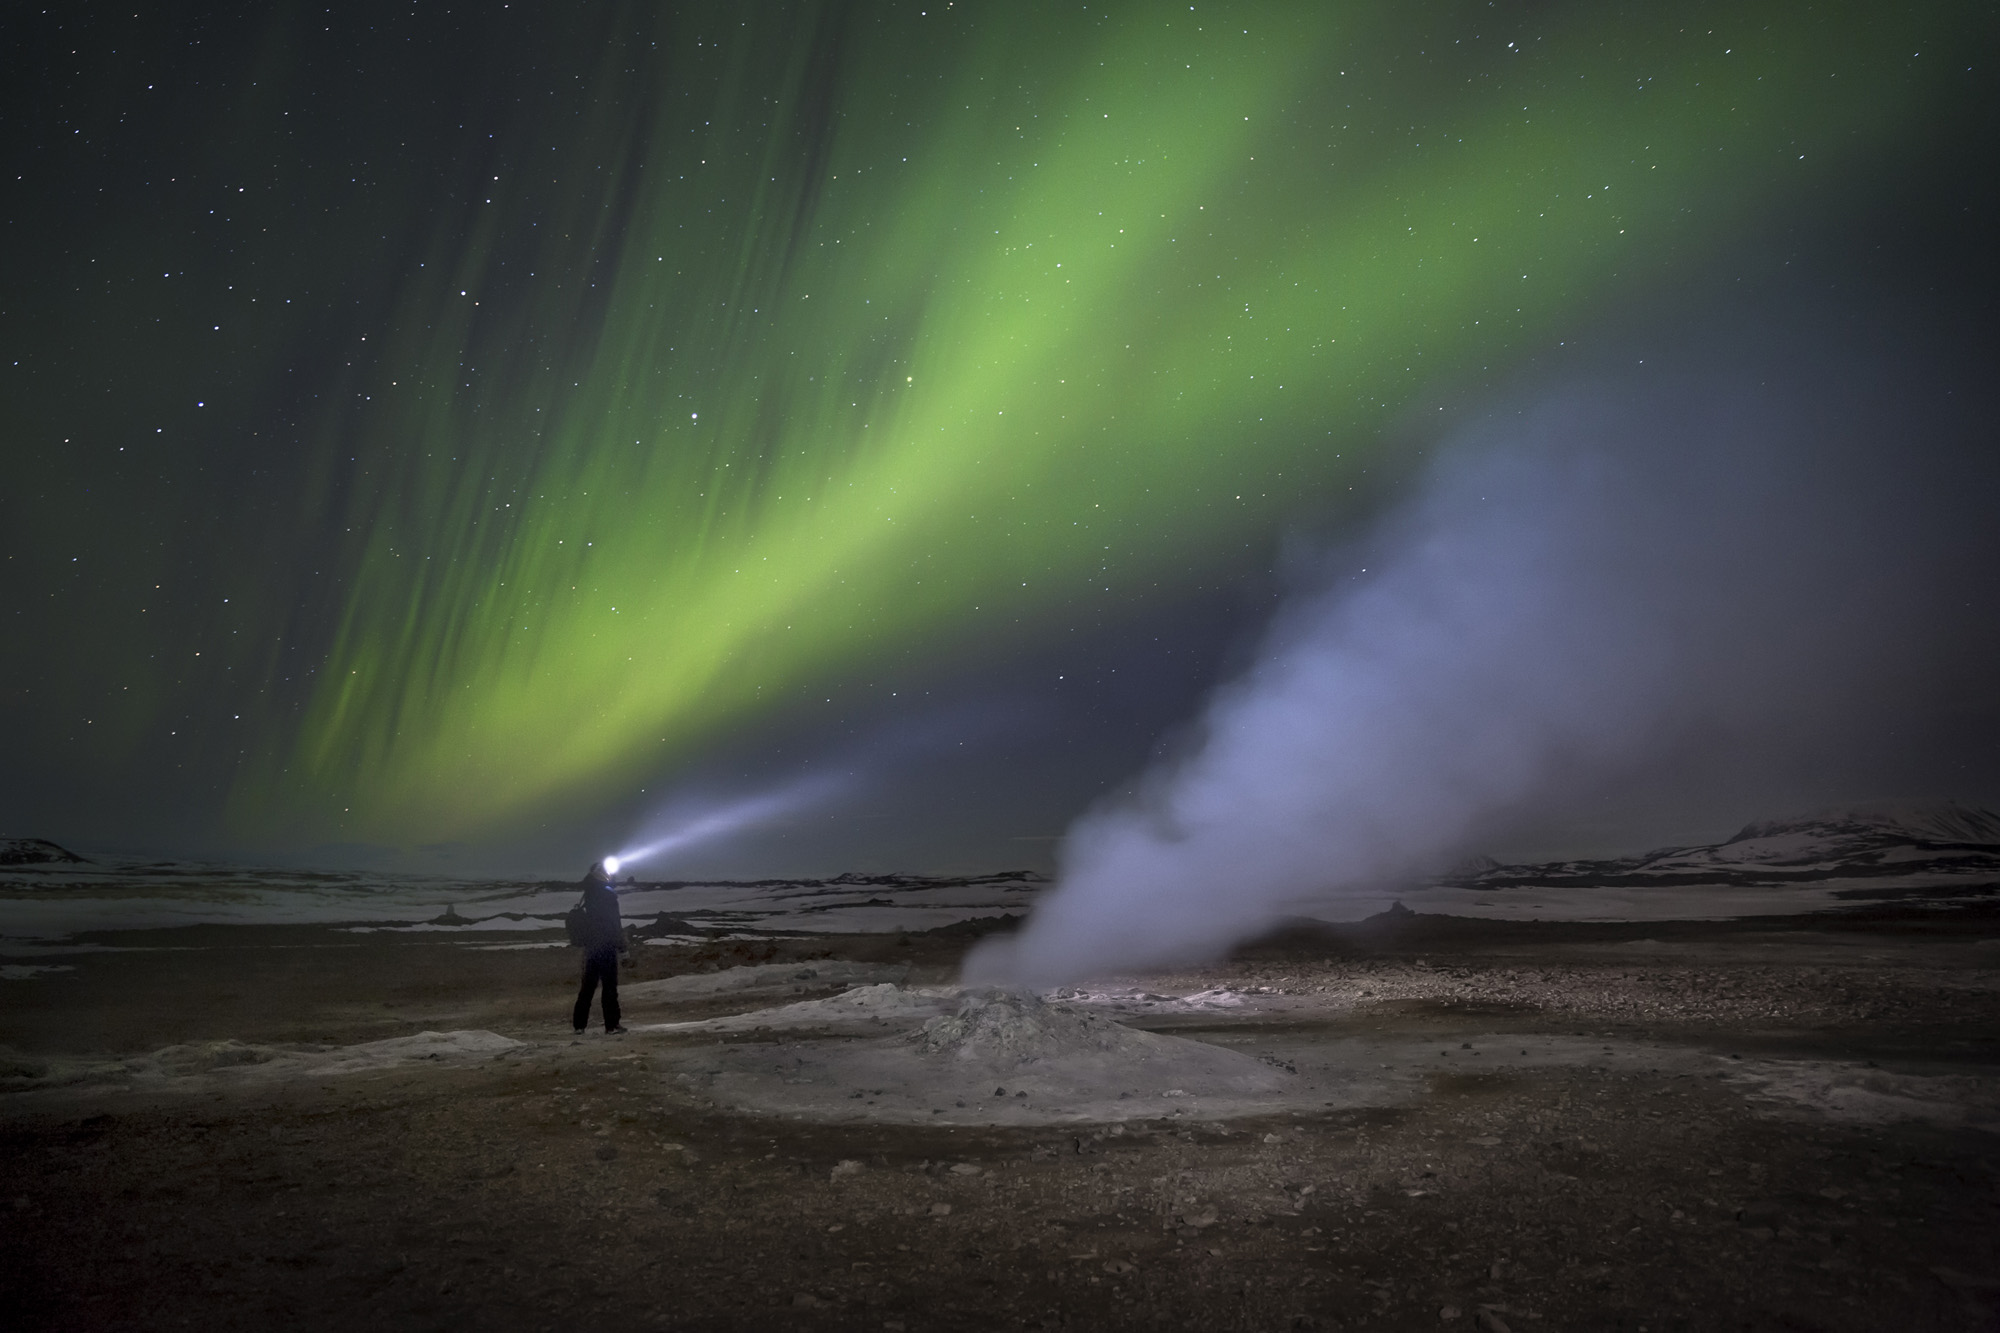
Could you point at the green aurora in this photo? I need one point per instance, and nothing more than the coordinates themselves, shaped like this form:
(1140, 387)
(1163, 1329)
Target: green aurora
(827, 337)
(1048, 316)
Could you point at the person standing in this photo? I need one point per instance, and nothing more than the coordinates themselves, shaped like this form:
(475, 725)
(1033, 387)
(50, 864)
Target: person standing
(603, 940)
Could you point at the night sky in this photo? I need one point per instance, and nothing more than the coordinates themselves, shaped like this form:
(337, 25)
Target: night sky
(462, 437)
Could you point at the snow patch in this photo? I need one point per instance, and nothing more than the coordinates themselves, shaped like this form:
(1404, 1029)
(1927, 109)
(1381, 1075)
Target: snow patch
(232, 1059)
(1855, 1094)
(29, 971)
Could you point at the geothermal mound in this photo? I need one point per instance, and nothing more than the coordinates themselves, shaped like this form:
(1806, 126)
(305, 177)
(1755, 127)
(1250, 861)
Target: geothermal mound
(862, 1010)
(1000, 1057)
(774, 978)
(1000, 1030)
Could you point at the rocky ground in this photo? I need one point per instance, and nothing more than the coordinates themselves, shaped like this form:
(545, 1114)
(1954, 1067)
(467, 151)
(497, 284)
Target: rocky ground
(1687, 1127)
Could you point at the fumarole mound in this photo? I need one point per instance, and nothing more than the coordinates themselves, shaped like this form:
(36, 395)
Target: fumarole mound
(1002, 1030)
(999, 1057)
(1074, 1056)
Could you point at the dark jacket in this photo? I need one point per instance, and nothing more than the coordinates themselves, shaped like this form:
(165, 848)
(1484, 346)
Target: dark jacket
(604, 928)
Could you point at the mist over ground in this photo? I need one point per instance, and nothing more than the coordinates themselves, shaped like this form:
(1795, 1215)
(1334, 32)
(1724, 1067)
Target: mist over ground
(1638, 582)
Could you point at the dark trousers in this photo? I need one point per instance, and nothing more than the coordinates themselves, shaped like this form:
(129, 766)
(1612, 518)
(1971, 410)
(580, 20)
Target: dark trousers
(598, 965)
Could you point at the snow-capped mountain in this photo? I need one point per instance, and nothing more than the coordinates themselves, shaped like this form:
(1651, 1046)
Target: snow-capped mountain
(35, 852)
(1950, 841)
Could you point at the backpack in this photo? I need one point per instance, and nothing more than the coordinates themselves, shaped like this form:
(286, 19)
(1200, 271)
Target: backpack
(576, 922)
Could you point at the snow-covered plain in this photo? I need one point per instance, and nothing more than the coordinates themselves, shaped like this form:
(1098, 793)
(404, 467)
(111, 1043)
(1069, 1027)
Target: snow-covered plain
(1937, 856)
(1941, 855)
(48, 902)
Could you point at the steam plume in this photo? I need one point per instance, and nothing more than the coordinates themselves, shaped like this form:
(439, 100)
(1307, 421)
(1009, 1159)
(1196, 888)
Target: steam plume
(1595, 586)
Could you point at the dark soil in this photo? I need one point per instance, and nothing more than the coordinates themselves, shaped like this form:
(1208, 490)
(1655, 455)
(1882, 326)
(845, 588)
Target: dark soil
(572, 1184)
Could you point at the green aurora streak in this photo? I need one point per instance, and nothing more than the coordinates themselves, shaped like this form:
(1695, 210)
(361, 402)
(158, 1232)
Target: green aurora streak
(898, 335)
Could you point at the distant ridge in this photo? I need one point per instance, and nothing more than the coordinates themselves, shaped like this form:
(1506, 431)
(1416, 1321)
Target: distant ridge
(35, 852)
(1946, 823)
(1949, 839)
